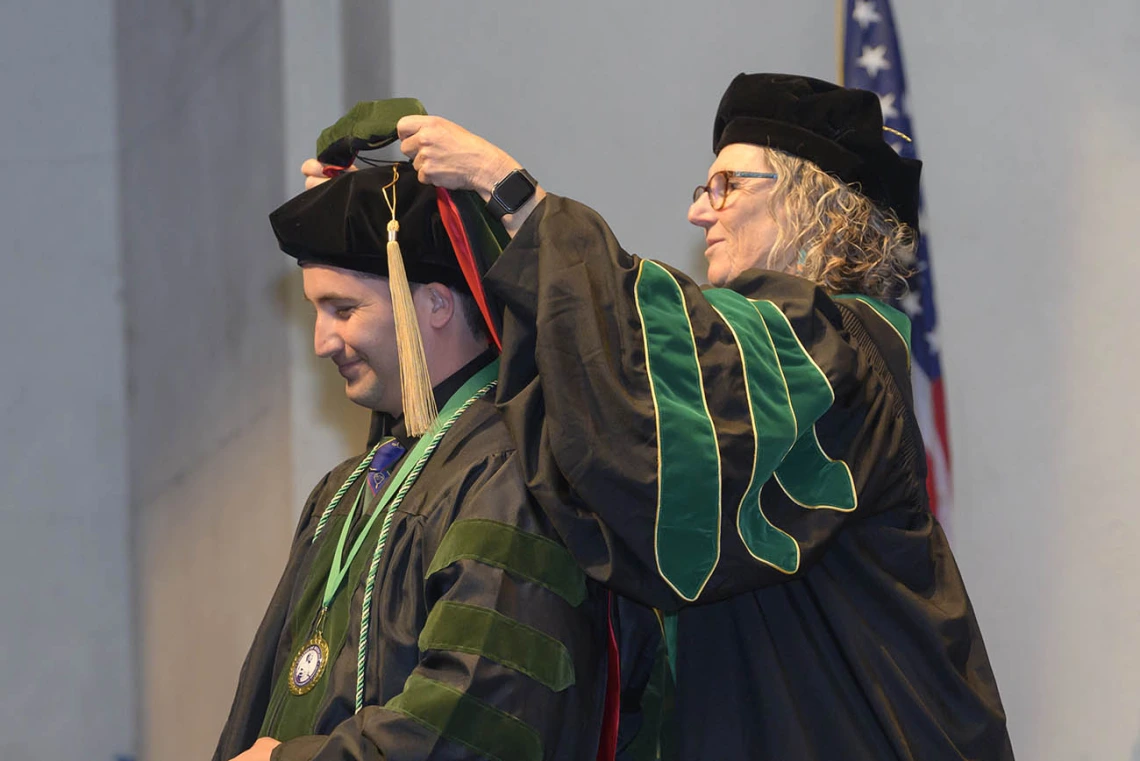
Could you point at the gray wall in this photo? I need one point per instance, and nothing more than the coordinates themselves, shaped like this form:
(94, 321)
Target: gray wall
(207, 351)
(66, 633)
(1028, 117)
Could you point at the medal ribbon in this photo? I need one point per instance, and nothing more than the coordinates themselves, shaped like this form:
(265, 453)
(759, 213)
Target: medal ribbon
(379, 470)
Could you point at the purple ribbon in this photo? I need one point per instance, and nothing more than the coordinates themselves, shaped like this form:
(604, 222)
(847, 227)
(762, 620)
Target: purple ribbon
(380, 469)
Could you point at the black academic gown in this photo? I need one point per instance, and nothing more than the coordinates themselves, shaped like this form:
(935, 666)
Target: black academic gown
(486, 638)
(747, 460)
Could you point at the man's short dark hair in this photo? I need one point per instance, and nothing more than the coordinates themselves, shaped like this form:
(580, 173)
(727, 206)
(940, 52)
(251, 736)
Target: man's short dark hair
(472, 315)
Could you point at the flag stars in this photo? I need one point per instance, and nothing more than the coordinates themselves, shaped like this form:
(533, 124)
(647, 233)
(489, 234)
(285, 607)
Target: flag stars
(934, 342)
(874, 59)
(911, 303)
(890, 110)
(865, 13)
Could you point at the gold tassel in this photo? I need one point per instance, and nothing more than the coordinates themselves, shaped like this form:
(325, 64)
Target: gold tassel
(415, 382)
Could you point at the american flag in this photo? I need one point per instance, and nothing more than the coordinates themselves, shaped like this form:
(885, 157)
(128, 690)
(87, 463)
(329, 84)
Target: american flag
(871, 60)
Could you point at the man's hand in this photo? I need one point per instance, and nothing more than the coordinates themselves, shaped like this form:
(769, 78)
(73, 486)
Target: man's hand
(260, 750)
(450, 157)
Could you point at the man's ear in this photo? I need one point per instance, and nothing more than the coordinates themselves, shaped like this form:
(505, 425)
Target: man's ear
(440, 302)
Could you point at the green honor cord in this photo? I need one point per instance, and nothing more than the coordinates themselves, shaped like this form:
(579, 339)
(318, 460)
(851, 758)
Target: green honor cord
(478, 385)
(363, 466)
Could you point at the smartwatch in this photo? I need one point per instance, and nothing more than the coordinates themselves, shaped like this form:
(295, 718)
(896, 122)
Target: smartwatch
(511, 193)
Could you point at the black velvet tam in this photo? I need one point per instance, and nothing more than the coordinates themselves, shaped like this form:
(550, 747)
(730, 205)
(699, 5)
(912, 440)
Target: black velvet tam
(344, 223)
(839, 129)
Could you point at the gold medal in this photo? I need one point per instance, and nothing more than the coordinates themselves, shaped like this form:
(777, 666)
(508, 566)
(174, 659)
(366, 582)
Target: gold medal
(309, 665)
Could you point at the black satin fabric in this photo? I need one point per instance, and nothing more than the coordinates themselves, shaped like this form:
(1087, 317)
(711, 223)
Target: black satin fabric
(475, 473)
(871, 649)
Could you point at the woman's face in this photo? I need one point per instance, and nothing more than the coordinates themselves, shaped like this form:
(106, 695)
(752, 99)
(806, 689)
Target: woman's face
(739, 236)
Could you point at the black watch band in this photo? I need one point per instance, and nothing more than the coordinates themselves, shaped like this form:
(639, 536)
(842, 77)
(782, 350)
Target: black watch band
(511, 193)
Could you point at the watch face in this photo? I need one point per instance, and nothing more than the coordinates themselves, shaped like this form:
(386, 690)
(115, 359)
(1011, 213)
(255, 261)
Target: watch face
(515, 190)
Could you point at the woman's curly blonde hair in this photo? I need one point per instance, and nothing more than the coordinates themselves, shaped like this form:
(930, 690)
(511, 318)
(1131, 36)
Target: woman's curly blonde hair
(833, 235)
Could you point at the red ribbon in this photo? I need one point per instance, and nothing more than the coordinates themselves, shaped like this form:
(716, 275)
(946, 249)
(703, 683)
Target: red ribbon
(453, 223)
(611, 713)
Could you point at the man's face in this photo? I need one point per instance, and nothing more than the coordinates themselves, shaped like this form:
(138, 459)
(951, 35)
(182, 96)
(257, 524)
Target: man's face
(739, 236)
(355, 329)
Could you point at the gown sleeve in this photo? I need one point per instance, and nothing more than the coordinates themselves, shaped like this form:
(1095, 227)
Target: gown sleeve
(690, 444)
(512, 659)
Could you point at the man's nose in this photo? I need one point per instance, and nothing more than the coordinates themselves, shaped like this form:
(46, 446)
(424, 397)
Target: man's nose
(326, 342)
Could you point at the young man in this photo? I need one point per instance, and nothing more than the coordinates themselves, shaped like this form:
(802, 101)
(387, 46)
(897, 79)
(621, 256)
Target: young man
(753, 445)
(428, 609)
